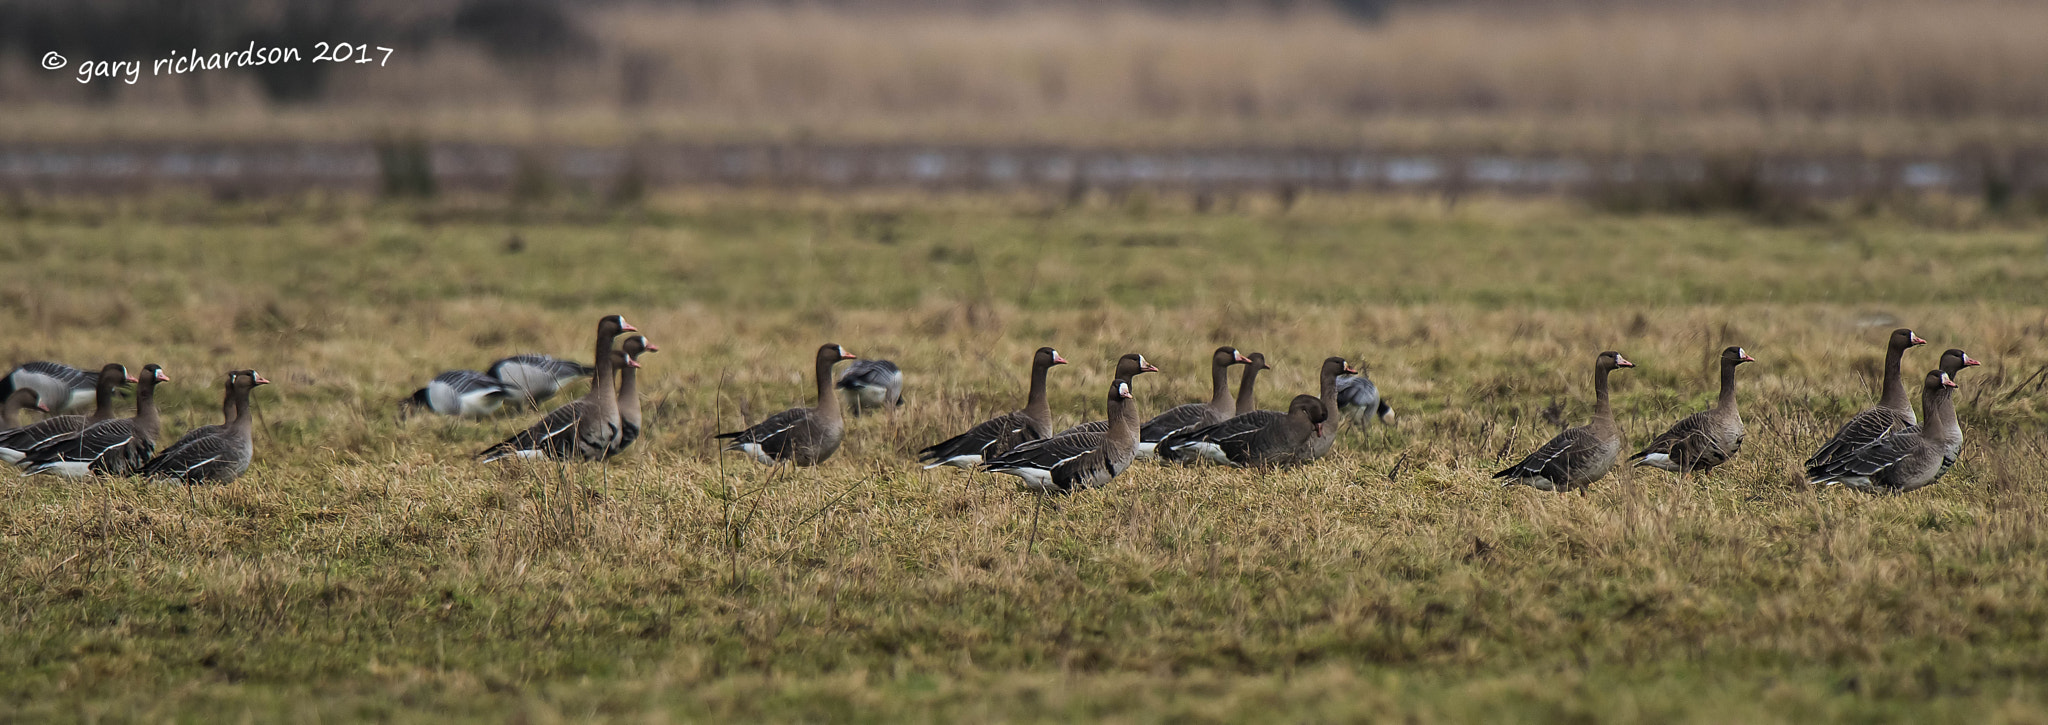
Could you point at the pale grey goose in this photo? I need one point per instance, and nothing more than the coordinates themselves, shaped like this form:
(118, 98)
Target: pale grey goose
(871, 385)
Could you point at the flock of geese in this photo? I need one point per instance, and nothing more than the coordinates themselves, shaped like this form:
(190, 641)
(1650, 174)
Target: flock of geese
(1884, 449)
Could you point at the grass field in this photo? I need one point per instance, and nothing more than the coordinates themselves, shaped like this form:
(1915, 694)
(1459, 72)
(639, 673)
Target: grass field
(365, 568)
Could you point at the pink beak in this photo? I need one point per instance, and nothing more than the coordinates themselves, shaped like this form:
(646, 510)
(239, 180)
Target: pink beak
(632, 363)
(132, 379)
(1057, 360)
(652, 348)
(1622, 362)
(1239, 357)
(1917, 341)
(1747, 358)
(1969, 361)
(1946, 382)
(161, 377)
(1348, 370)
(1150, 368)
(844, 355)
(260, 380)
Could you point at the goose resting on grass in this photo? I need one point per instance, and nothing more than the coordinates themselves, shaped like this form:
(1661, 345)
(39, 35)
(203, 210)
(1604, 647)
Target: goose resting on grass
(1184, 418)
(803, 436)
(1579, 456)
(1262, 437)
(1706, 439)
(15, 442)
(107, 448)
(1909, 457)
(585, 428)
(996, 436)
(216, 455)
(1062, 464)
(1893, 409)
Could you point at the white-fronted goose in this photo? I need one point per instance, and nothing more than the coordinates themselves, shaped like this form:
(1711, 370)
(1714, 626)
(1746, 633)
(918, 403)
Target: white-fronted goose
(1706, 439)
(1909, 457)
(228, 413)
(1333, 366)
(1183, 418)
(1127, 367)
(1579, 456)
(871, 385)
(1061, 464)
(107, 448)
(1359, 399)
(629, 391)
(535, 378)
(998, 435)
(1174, 447)
(15, 442)
(1262, 437)
(63, 389)
(1893, 409)
(461, 394)
(585, 428)
(220, 455)
(1953, 360)
(16, 402)
(803, 436)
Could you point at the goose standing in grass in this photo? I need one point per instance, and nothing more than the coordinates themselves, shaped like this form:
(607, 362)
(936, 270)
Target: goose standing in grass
(219, 455)
(535, 378)
(1893, 409)
(1061, 464)
(12, 407)
(1326, 438)
(1262, 437)
(1359, 400)
(629, 391)
(19, 440)
(871, 385)
(1706, 439)
(583, 429)
(1176, 445)
(107, 448)
(63, 389)
(1908, 457)
(1127, 367)
(1579, 456)
(227, 414)
(461, 394)
(998, 435)
(1183, 418)
(803, 436)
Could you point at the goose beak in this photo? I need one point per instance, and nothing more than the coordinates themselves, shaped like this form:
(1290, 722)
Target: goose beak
(1348, 370)
(1917, 340)
(43, 408)
(1149, 368)
(132, 379)
(1319, 430)
(625, 326)
(260, 380)
(1622, 362)
(1057, 360)
(161, 377)
(632, 362)
(844, 355)
(1239, 357)
(651, 347)
(1946, 381)
(1970, 361)
(1747, 358)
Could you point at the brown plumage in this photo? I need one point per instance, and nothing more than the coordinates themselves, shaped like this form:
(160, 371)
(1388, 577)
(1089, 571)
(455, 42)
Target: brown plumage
(1325, 439)
(1262, 437)
(110, 447)
(1893, 409)
(1579, 456)
(629, 391)
(22, 399)
(583, 429)
(1183, 418)
(1909, 457)
(1062, 464)
(803, 436)
(996, 436)
(1706, 439)
(1127, 367)
(15, 443)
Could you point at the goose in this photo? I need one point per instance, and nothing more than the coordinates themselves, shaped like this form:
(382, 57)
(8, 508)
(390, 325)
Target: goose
(1129, 366)
(1061, 464)
(16, 402)
(1893, 409)
(1262, 437)
(63, 389)
(219, 455)
(583, 429)
(1183, 418)
(1706, 439)
(227, 412)
(1908, 457)
(1359, 400)
(459, 393)
(535, 378)
(1333, 366)
(19, 440)
(629, 392)
(803, 436)
(1579, 456)
(1176, 445)
(107, 448)
(998, 435)
(871, 385)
